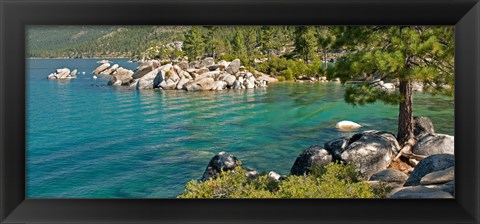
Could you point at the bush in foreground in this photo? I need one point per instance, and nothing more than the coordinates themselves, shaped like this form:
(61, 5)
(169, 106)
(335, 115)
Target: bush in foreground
(331, 181)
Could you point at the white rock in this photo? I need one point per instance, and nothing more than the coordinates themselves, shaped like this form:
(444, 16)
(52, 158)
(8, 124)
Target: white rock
(347, 125)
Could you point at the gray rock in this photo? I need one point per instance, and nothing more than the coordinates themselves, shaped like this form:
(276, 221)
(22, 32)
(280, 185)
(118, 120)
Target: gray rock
(370, 151)
(145, 68)
(166, 67)
(313, 156)
(206, 83)
(248, 84)
(274, 176)
(213, 67)
(208, 61)
(110, 70)
(233, 67)
(221, 162)
(202, 70)
(428, 165)
(336, 147)
(230, 80)
(209, 74)
(194, 65)
(422, 126)
(160, 78)
(420, 192)
(182, 83)
(223, 64)
(149, 80)
(183, 65)
(101, 68)
(439, 177)
(169, 84)
(390, 175)
(74, 72)
(220, 85)
(431, 144)
(123, 75)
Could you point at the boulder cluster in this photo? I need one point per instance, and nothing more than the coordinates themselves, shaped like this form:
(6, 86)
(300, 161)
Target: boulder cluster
(196, 75)
(373, 153)
(63, 73)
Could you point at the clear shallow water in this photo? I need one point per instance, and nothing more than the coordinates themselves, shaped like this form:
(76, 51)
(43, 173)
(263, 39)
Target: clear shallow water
(89, 140)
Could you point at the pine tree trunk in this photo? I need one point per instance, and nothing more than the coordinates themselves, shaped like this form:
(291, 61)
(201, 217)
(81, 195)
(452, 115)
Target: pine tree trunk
(405, 115)
(325, 62)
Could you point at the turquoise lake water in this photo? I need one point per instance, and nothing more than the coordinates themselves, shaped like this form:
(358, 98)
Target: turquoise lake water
(89, 140)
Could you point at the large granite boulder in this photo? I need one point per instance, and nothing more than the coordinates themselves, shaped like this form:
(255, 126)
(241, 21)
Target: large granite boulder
(110, 70)
(233, 67)
(422, 126)
(101, 68)
(145, 68)
(202, 84)
(431, 144)
(420, 192)
(122, 75)
(183, 65)
(428, 165)
(149, 80)
(371, 151)
(313, 156)
(230, 80)
(221, 162)
(439, 177)
(207, 62)
(182, 83)
(390, 175)
(336, 147)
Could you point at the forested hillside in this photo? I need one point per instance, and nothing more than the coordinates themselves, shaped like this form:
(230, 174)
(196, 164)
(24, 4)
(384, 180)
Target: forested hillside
(96, 41)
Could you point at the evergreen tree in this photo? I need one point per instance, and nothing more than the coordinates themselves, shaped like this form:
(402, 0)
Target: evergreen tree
(305, 42)
(238, 44)
(251, 42)
(325, 40)
(194, 44)
(267, 39)
(408, 54)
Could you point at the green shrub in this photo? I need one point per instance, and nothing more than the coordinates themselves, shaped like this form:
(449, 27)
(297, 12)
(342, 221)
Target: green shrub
(331, 181)
(289, 68)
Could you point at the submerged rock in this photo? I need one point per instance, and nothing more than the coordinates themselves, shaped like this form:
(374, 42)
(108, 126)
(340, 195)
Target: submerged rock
(347, 125)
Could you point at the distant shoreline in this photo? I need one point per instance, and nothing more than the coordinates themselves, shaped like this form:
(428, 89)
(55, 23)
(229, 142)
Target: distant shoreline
(79, 58)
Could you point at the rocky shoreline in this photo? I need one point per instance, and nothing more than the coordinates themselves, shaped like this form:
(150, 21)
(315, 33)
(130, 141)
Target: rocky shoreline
(376, 155)
(190, 76)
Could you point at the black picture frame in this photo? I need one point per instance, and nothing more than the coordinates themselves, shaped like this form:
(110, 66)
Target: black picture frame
(16, 14)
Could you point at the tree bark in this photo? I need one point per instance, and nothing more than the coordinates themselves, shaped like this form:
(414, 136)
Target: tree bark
(405, 115)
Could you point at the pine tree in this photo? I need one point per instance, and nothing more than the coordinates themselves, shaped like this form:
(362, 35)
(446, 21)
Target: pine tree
(305, 42)
(238, 44)
(251, 42)
(194, 43)
(408, 54)
(267, 39)
(325, 40)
